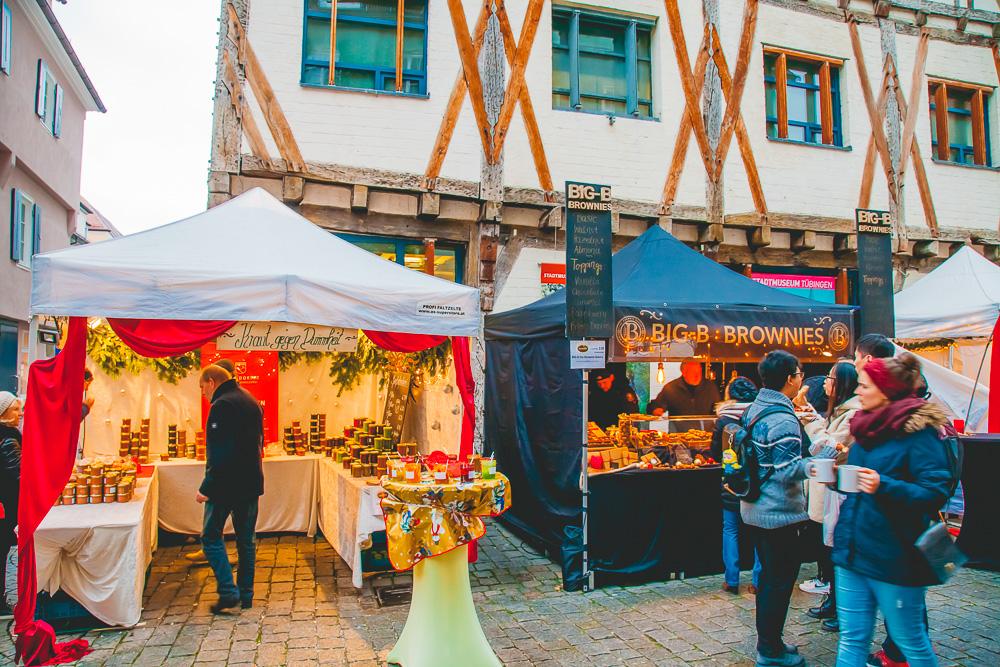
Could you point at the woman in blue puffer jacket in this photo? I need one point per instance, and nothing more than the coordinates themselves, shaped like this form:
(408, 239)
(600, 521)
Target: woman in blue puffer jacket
(903, 480)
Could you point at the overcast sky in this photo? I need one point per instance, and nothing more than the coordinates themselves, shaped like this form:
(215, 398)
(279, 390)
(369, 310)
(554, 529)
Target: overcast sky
(145, 161)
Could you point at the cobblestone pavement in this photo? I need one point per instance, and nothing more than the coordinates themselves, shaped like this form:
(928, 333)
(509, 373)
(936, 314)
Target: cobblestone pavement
(306, 612)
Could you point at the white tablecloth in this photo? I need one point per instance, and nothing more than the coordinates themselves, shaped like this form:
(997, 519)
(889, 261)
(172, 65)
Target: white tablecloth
(349, 513)
(98, 554)
(287, 506)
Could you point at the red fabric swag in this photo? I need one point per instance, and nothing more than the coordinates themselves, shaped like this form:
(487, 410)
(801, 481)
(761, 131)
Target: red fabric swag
(48, 452)
(168, 338)
(399, 342)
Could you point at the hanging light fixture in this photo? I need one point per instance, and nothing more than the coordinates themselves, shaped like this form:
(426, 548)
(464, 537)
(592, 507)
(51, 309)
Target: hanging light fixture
(659, 373)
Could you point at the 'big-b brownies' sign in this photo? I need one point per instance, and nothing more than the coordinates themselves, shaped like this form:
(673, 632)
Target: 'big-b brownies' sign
(875, 271)
(589, 312)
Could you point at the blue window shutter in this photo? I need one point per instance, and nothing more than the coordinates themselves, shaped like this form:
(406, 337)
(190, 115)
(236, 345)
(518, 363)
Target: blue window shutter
(40, 89)
(57, 121)
(15, 226)
(36, 229)
(6, 29)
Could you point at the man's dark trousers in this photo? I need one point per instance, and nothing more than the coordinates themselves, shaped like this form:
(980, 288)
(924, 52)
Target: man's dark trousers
(244, 513)
(780, 558)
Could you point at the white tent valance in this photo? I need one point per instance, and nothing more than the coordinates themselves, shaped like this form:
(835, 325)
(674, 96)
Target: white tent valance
(251, 258)
(959, 299)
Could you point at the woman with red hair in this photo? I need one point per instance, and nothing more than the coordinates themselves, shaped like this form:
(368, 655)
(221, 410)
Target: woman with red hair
(903, 480)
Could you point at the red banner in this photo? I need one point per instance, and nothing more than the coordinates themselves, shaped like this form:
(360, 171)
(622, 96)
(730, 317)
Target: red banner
(257, 372)
(553, 274)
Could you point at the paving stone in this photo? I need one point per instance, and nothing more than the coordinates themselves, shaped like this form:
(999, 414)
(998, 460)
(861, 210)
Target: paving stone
(307, 612)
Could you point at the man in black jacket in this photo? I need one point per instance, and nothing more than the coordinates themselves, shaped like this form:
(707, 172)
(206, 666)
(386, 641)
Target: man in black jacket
(690, 394)
(234, 482)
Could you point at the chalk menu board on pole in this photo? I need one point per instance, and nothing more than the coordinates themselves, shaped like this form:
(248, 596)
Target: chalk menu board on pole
(397, 400)
(589, 312)
(875, 272)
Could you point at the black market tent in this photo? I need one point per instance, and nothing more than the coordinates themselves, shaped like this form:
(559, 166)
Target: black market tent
(533, 399)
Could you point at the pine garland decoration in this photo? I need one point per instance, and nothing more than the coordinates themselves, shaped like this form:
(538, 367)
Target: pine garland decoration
(346, 369)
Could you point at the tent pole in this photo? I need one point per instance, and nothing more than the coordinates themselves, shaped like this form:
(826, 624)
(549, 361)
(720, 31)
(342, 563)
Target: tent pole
(975, 385)
(32, 345)
(588, 576)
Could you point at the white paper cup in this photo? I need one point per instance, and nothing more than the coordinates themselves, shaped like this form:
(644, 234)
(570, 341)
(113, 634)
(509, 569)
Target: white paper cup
(848, 478)
(824, 470)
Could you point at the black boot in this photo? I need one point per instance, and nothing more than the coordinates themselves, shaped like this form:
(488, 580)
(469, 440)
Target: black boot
(826, 609)
(831, 624)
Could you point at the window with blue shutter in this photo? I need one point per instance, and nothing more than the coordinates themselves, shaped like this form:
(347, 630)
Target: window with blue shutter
(57, 116)
(24, 230)
(40, 89)
(16, 244)
(6, 32)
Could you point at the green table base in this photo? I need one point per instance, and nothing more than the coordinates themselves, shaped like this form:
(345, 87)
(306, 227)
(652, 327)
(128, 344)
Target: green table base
(442, 629)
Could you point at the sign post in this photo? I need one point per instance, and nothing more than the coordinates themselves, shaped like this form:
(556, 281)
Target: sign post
(589, 307)
(588, 261)
(875, 271)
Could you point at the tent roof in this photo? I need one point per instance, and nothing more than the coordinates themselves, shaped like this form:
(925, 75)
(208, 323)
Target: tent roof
(251, 258)
(959, 299)
(655, 270)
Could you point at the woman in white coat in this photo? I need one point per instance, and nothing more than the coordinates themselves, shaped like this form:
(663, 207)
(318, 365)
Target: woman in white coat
(831, 437)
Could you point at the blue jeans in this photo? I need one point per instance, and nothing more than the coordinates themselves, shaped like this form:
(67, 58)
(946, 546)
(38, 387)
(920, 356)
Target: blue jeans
(213, 543)
(859, 597)
(731, 523)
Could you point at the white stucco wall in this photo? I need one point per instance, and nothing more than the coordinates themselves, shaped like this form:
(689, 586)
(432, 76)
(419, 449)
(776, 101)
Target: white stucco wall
(397, 133)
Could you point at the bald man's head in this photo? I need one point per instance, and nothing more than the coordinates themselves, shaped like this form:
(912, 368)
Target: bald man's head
(212, 377)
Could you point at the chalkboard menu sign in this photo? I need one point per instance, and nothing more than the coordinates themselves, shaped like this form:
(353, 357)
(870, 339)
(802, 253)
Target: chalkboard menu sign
(875, 272)
(588, 261)
(396, 403)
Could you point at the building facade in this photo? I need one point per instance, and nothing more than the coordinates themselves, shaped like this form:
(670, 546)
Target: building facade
(45, 95)
(744, 127)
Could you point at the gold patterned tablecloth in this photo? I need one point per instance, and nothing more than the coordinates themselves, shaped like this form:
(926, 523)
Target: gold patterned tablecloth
(429, 518)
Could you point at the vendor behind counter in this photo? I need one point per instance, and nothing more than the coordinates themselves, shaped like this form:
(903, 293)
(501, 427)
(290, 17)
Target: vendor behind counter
(611, 394)
(690, 394)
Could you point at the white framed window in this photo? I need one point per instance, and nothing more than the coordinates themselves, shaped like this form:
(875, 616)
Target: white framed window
(25, 228)
(48, 99)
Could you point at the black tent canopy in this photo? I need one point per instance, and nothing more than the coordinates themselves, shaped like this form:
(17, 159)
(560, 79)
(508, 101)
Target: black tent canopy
(670, 302)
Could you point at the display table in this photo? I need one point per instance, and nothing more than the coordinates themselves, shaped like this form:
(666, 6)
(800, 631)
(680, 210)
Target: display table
(647, 524)
(979, 538)
(349, 513)
(287, 506)
(429, 526)
(98, 554)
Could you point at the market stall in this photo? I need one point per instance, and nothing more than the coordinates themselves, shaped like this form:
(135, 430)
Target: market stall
(188, 283)
(670, 302)
(951, 316)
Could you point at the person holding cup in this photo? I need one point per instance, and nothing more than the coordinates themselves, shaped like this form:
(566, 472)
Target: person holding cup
(830, 439)
(896, 478)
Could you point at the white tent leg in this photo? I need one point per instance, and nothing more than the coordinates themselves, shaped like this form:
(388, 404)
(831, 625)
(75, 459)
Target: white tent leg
(32, 349)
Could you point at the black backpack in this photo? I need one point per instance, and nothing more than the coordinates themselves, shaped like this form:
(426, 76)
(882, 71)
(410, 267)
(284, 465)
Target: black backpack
(955, 453)
(743, 479)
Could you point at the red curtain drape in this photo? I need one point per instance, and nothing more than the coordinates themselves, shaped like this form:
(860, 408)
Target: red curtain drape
(397, 342)
(168, 338)
(48, 452)
(993, 423)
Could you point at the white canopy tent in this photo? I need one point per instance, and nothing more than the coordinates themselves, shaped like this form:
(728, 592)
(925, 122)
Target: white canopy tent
(250, 259)
(959, 299)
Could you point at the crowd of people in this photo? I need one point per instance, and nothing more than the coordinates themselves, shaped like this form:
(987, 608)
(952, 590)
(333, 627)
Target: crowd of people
(878, 428)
